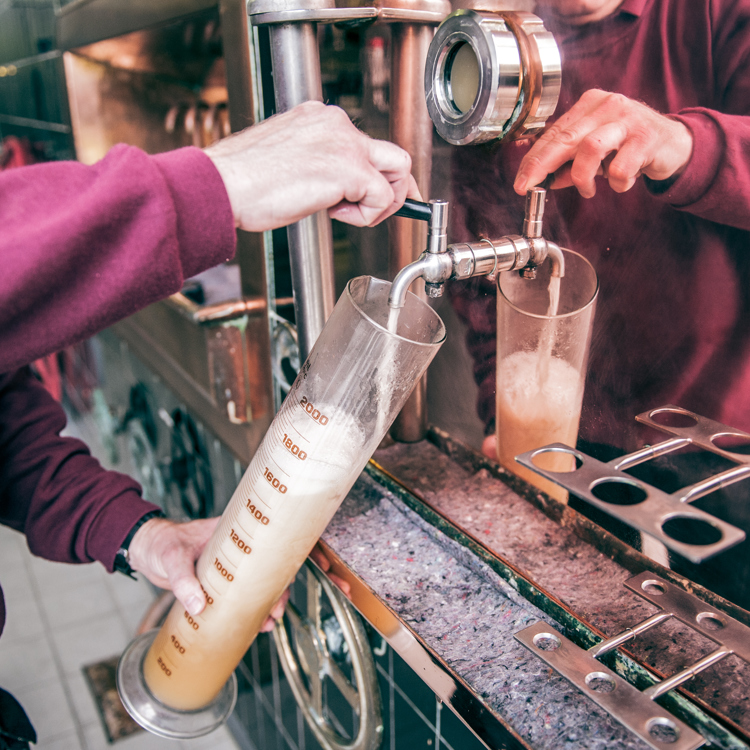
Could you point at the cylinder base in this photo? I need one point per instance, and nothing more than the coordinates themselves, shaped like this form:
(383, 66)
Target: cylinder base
(153, 715)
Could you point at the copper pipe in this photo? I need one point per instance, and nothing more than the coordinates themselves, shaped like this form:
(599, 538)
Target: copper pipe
(410, 128)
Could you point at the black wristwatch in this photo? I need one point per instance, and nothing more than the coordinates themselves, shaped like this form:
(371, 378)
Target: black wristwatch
(122, 558)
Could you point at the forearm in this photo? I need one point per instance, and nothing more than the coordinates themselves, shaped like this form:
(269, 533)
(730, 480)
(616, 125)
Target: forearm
(51, 488)
(84, 246)
(715, 183)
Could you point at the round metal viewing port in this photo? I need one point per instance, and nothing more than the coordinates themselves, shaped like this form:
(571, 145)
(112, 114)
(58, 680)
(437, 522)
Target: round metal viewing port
(153, 715)
(491, 75)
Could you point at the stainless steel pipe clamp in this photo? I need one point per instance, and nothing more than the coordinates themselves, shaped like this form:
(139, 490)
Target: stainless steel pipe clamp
(491, 75)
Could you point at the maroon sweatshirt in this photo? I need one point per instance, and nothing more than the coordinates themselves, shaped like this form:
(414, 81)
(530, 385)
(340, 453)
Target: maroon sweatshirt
(82, 247)
(672, 322)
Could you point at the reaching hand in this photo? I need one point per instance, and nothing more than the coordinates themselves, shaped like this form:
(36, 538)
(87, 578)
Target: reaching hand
(166, 553)
(489, 447)
(611, 135)
(310, 159)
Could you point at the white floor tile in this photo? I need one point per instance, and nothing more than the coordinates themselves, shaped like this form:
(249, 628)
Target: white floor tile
(130, 594)
(23, 618)
(89, 642)
(84, 707)
(221, 739)
(47, 708)
(131, 620)
(11, 551)
(96, 740)
(85, 602)
(16, 580)
(52, 577)
(25, 663)
(66, 741)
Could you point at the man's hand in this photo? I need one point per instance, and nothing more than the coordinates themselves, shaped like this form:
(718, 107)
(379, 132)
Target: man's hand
(489, 447)
(166, 553)
(611, 135)
(309, 159)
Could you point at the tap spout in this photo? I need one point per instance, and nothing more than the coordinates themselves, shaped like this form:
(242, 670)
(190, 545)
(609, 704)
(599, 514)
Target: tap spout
(404, 279)
(556, 258)
(434, 268)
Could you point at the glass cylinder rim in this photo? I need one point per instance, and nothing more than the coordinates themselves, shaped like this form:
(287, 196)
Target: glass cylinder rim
(561, 316)
(358, 308)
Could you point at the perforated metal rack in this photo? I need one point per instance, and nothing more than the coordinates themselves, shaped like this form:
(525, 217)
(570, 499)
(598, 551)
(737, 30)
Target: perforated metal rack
(667, 517)
(633, 708)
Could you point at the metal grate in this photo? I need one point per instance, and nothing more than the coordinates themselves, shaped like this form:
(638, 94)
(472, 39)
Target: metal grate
(689, 531)
(631, 707)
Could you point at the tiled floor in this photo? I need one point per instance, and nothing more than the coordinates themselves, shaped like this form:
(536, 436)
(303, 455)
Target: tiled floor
(59, 619)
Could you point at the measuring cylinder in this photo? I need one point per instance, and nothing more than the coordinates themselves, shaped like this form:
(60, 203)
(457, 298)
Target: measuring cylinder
(356, 379)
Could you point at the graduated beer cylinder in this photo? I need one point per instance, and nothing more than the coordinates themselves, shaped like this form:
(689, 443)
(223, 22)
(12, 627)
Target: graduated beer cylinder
(353, 384)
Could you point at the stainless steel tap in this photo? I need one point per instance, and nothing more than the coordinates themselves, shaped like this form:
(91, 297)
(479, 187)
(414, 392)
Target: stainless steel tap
(441, 261)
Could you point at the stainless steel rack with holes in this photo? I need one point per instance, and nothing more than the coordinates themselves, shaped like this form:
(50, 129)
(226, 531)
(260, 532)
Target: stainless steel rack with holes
(647, 508)
(631, 707)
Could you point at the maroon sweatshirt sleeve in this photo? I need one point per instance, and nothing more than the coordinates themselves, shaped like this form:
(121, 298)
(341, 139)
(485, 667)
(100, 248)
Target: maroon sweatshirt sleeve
(716, 182)
(84, 246)
(51, 488)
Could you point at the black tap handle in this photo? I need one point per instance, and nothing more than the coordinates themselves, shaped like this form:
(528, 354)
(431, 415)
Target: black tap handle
(415, 210)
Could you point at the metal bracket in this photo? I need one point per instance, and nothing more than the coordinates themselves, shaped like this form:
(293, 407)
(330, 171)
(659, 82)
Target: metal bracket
(691, 532)
(312, 648)
(628, 705)
(632, 708)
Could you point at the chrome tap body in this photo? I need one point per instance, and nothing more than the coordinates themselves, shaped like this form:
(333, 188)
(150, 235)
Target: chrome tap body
(462, 260)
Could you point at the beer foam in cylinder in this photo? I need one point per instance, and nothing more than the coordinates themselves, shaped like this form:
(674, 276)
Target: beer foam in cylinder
(294, 485)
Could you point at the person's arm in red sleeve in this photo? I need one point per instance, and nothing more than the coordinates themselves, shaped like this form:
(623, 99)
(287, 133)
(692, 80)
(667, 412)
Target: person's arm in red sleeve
(51, 488)
(715, 183)
(72, 510)
(84, 246)
(696, 159)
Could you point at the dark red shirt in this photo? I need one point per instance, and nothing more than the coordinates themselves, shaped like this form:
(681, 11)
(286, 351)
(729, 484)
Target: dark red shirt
(80, 248)
(672, 322)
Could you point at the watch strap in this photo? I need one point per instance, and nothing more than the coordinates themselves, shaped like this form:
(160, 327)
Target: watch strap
(122, 558)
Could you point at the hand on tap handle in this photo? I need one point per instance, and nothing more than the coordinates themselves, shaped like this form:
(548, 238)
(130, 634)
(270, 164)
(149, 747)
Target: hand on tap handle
(415, 210)
(309, 159)
(606, 134)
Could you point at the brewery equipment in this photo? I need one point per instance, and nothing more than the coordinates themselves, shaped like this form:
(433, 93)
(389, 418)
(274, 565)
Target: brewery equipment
(442, 572)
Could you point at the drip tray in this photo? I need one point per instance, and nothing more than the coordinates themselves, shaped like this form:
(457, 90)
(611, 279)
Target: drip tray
(115, 719)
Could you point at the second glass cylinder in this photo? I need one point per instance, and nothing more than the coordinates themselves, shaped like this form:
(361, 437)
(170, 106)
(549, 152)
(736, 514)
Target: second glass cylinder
(543, 335)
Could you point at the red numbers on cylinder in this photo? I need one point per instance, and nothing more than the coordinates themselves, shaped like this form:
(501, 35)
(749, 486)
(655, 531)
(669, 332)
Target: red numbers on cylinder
(257, 514)
(193, 624)
(242, 545)
(224, 572)
(164, 668)
(209, 598)
(313, 412)
(177, 645)
(295, 450)
(274, 481)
